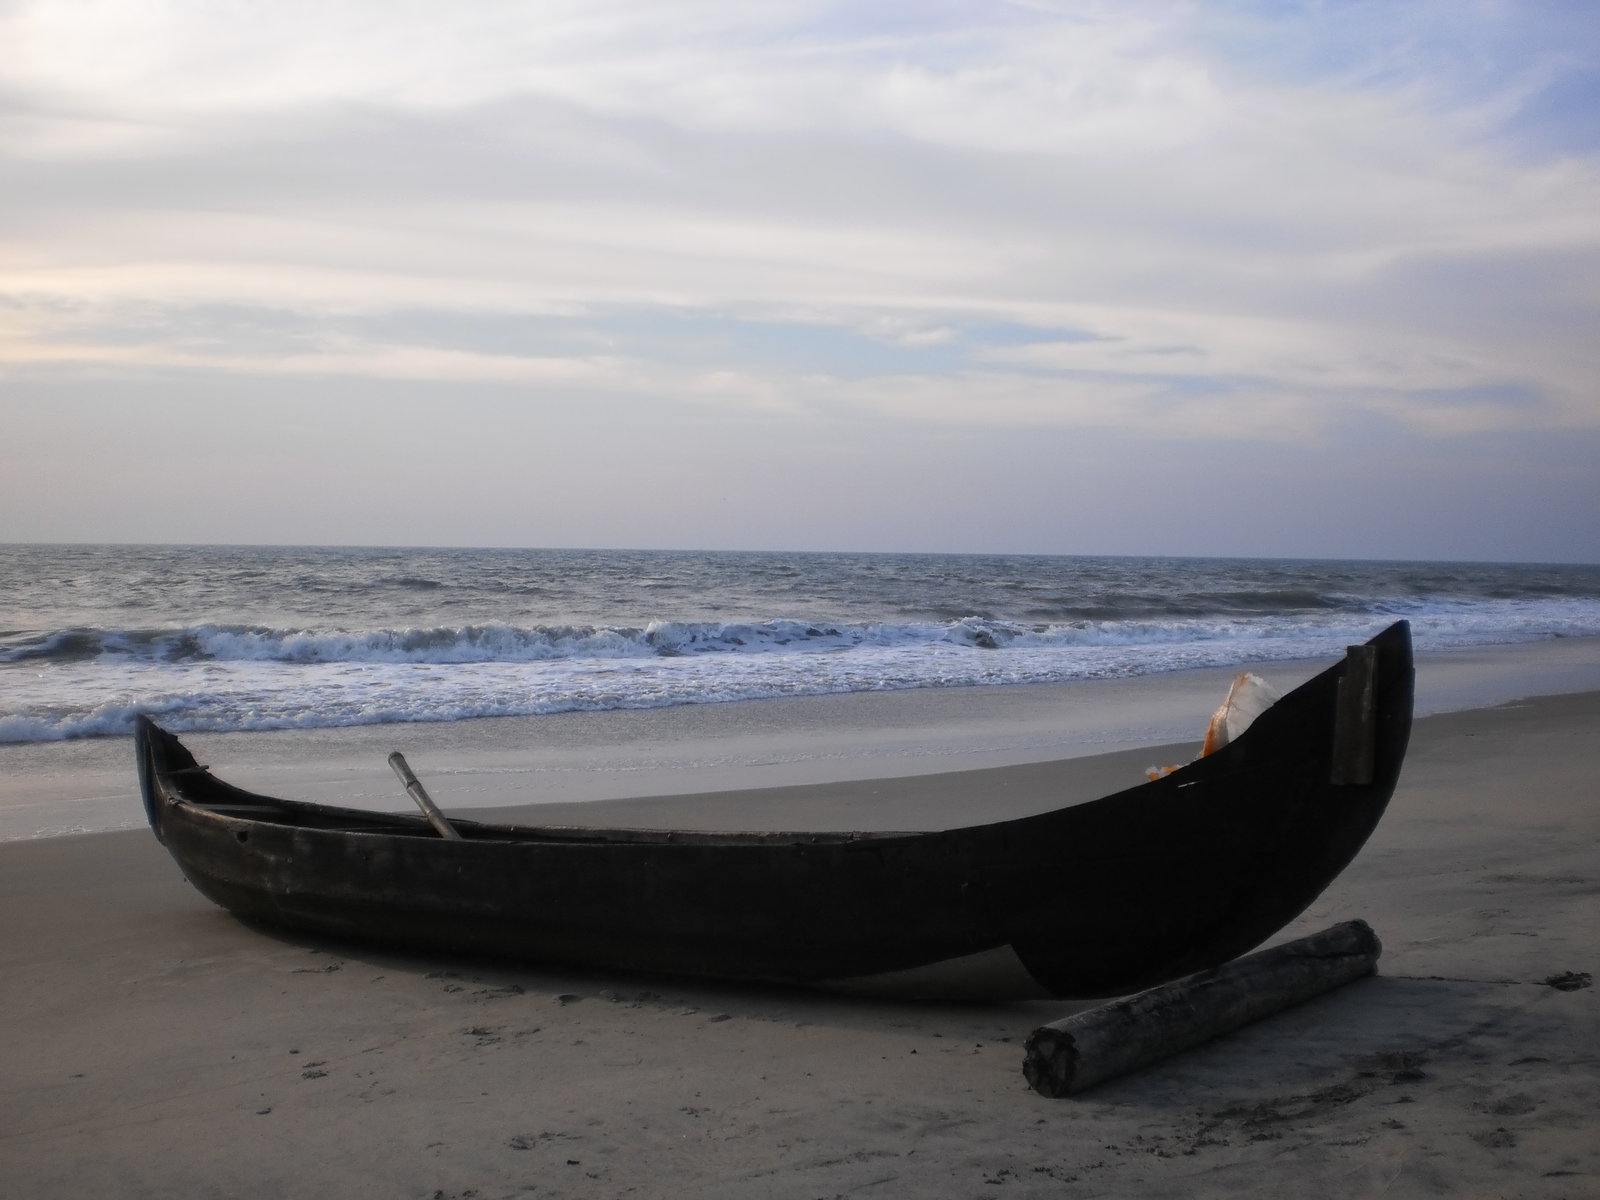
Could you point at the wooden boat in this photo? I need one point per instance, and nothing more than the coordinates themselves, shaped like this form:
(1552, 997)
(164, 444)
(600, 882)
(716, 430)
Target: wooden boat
(1095, 899)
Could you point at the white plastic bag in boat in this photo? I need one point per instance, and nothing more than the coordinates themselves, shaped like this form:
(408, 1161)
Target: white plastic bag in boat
(1247, 699)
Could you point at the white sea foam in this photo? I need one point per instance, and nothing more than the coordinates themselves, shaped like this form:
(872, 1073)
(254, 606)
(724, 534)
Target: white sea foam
(1441, 622)
(302, 638)
(266, 692)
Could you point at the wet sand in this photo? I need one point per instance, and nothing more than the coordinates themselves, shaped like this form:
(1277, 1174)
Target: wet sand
(568, 758)
(157, 1047)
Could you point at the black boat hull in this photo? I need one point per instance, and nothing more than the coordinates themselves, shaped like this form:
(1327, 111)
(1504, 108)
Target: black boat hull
(1095, 899)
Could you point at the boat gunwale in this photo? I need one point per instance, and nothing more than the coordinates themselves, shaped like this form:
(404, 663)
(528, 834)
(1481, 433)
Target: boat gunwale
(310, 817)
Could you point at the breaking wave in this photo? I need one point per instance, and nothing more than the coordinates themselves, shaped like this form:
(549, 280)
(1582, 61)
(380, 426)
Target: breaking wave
(220, 638)
(1440, 625)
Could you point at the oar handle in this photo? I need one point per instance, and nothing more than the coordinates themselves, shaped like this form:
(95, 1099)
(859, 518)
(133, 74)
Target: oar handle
(419, 793)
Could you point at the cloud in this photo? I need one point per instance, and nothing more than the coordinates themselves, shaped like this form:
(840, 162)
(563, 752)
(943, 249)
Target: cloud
(1168, 220)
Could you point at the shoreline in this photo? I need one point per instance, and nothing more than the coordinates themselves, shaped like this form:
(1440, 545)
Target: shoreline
(68, 788)
(326, 1068)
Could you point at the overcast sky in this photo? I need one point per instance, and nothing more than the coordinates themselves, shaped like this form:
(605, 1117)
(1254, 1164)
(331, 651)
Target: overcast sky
(1293, 278)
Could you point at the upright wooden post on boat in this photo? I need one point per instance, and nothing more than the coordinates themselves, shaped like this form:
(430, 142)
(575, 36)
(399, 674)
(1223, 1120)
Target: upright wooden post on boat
(419, 793)
(1090, 1047)
(1355, 718)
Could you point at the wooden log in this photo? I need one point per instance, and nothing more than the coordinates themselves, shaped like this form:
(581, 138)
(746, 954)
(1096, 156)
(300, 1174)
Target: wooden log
(419, 794)
(1077, 1052)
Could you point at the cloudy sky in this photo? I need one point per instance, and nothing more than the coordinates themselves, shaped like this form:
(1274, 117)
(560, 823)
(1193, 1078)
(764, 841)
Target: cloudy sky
(1306, 277)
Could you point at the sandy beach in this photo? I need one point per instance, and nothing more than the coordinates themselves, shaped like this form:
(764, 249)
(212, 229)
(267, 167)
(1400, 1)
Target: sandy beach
(159, 1048)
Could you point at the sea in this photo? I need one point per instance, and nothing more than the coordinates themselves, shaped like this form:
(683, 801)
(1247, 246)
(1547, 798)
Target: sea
(293, 637)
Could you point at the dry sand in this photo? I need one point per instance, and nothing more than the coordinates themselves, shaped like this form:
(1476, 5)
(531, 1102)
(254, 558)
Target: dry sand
(156, 1047)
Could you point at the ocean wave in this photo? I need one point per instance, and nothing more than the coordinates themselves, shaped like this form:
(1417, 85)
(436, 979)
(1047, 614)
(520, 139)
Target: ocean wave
(263, 693)
(248, 695)
(439, 644)
(1445, 621)
(89, 680)
(506, 643)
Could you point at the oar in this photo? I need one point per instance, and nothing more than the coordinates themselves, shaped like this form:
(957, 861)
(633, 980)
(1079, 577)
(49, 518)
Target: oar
(419, 793)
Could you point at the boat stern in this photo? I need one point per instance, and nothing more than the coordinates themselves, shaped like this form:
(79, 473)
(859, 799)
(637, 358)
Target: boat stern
(156, 753)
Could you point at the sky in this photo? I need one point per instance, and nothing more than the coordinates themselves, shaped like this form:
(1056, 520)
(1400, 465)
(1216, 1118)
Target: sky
(1251, 277)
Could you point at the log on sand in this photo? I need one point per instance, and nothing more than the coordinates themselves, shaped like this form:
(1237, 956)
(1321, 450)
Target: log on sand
(1077, 1052)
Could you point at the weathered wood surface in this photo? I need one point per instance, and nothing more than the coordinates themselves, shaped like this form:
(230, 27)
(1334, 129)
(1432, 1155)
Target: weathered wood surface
(1355, 720)
(1078, 1052)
